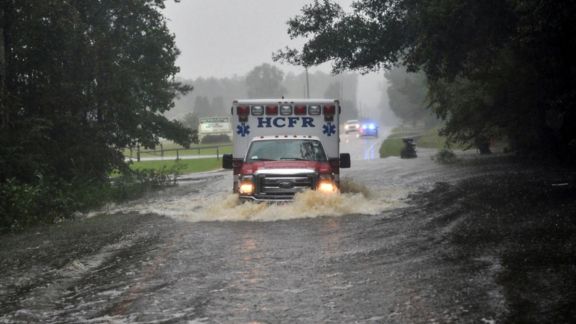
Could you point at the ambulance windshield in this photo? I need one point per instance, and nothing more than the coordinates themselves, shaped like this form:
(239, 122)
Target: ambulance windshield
(286, 149)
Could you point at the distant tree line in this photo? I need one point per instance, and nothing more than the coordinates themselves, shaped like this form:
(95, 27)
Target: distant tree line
(79, 81)
(495, 68)
(214, 96)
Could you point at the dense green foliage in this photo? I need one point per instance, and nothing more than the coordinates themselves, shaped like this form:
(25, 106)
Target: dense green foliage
(79, 81)
(496, 68)
(45, 202)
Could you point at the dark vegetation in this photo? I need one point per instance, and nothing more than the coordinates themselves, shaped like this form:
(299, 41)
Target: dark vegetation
(79, 82)
(494, 69)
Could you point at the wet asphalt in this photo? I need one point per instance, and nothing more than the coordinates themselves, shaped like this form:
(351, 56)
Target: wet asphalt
(462, 247)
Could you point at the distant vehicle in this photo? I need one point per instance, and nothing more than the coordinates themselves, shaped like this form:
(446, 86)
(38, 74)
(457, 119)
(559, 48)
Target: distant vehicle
(352, 125)
(215, 128)
(368, 128)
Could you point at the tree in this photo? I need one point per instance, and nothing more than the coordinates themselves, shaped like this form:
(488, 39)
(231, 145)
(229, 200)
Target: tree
(202, 106)
(265, 81)
(335, 90)
(192, 122)
(513, 59)
(81, 81)
(218, 106)
(408, 96)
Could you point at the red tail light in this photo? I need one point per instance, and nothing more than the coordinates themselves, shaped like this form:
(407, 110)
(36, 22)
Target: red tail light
(243, 112)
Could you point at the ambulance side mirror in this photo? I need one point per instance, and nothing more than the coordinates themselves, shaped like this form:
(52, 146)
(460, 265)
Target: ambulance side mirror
(227, 161)
(344, 160)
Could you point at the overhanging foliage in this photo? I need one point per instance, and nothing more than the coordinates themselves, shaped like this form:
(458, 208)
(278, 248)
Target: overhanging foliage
(495, 67)
(79, 81)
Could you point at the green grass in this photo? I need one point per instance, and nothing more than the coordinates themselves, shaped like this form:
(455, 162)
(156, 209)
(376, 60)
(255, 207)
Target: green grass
(391, 147)
(425, 138)
(180, 166)
(431, 139)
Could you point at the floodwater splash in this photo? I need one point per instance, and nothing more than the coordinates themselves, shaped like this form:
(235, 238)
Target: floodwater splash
(307, 204)
(355, 199)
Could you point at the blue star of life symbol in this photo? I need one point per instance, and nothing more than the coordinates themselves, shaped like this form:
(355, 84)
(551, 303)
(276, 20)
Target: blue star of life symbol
(329, 129)
(243, 129)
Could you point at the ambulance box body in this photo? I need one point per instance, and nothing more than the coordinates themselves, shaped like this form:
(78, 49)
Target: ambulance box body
(285, 146)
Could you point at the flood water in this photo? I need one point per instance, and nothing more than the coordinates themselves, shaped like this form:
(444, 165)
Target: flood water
(408, 241)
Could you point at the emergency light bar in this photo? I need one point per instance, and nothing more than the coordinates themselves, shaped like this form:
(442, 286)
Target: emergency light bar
(314, 110)
(243, 111)
(329, 112)
(272, 110)
(300, 110)
(257, 110)
(286, 110)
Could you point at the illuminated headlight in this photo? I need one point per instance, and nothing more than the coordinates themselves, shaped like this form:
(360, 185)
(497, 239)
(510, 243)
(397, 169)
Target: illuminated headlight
(246, 186)
(371, 126)
(364, 126)
(326, 184)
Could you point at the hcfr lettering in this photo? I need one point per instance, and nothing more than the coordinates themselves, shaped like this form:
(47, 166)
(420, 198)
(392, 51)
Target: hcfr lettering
(289, 122)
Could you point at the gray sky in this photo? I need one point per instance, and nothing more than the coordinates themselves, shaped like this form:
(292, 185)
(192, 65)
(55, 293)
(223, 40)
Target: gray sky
(223, 38)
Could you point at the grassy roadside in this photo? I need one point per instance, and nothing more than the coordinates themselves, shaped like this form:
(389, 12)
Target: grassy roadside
(393, 144)
(425, 138)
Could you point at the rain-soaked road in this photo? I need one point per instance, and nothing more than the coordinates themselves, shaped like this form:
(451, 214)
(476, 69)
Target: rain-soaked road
(377, 254)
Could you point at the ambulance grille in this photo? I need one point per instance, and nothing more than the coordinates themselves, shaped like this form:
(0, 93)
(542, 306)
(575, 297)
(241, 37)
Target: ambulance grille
(282, 187)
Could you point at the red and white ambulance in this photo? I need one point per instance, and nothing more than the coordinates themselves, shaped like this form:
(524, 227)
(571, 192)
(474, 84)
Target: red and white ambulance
(285, 146)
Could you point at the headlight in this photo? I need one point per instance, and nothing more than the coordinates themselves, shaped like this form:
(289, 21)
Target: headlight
(246, 186)
(326, 184)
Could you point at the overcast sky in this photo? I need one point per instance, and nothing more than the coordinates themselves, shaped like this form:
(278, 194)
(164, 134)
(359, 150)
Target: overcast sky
(223, 38)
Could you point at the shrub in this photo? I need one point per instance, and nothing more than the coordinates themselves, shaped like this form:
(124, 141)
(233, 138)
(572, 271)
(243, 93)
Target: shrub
(445, 156)
(23, 204)
(50, 201)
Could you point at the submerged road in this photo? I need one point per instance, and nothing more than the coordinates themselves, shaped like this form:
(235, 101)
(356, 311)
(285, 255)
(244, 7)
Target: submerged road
(190, 254)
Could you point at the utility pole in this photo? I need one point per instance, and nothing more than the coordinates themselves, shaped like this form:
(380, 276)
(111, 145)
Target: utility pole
(307, 82)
